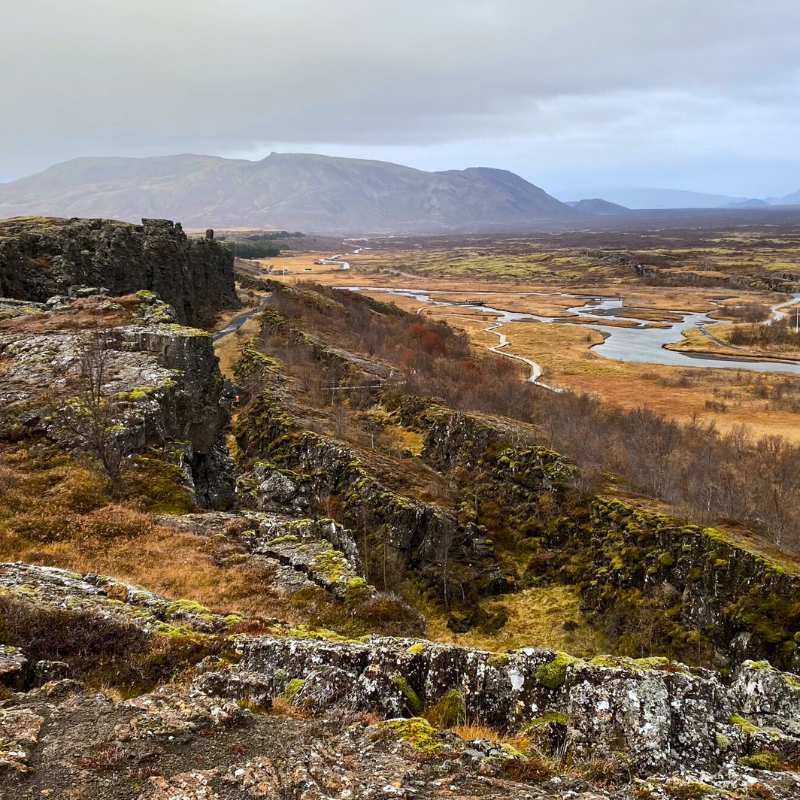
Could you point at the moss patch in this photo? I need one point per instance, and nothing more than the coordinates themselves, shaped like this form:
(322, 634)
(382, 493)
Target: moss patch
(292, 688)
(553, 674)
(764, 761)
(747, 727)
(413, 703)
(419, 732)
(450, 710)
(547, 719)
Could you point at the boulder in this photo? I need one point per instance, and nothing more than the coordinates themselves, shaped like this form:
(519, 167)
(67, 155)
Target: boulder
(13, 667)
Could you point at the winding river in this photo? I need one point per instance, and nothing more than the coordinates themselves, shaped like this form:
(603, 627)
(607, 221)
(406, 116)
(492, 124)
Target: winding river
(641, 343)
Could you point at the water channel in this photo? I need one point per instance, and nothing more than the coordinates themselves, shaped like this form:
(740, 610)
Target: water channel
(641, 343)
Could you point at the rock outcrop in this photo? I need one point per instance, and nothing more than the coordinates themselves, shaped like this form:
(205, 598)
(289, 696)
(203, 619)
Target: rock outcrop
(163, 380)
(660, 716)
(41, 257)
(300, 466)
(100, 596)
(734, 602)
(299, 553)
(376, 713)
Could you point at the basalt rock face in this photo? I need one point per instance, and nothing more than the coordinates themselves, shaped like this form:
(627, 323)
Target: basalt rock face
(713, 592)
(661, 716)
(300, 467)
(299, 553)
(163, 379)
(362, 711)
(42, 257)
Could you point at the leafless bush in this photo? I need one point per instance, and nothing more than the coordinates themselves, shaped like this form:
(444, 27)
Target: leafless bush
(750, 312)
(780, 332)
(91, 413)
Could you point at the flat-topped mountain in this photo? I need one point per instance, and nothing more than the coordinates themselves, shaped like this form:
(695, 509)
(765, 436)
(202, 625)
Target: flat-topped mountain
(284, 191)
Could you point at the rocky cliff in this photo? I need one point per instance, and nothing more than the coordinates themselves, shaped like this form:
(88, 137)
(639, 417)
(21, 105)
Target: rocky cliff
(715, 592)
(162, 382)
(42, 257)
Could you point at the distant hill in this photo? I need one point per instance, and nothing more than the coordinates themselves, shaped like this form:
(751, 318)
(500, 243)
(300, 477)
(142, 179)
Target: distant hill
(752, 203)
(284, 191)
(789, 200)
(651, 197)
(599, 206)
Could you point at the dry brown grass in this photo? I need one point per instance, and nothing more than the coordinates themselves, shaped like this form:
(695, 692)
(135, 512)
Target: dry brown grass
(300, 264)
(679, 394)
(60, 516)
(229, 349)
(83, 314)
(564, 352)
(283, 707)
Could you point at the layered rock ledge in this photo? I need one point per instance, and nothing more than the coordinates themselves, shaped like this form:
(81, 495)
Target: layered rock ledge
(162, 379)
(41, 257)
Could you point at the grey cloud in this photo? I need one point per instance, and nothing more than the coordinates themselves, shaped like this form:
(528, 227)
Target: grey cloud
(570, 81)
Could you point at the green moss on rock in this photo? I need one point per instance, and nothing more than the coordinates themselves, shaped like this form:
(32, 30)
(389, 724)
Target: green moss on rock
(449, 710)
(747, 727)
(763, 761)
(499, 660)
(413, 703)
(292, 688)
(553, 674)
(188, 607)
(546, 719)
(418, 731)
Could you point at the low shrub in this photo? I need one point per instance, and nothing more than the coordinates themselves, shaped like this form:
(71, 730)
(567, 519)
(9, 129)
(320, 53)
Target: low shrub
(99, 650)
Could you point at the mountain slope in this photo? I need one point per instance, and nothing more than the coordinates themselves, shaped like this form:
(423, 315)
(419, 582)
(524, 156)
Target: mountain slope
(284, 191)
(752, 203)
(599, 206)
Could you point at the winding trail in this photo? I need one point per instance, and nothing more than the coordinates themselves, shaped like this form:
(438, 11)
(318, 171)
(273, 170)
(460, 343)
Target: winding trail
(237, 322)
(717, 340)
(536, 369)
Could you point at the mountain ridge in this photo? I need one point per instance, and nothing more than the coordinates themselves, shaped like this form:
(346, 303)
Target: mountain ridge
(298, 191)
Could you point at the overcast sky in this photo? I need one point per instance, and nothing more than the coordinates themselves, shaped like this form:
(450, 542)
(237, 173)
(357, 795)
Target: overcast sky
(571, 94)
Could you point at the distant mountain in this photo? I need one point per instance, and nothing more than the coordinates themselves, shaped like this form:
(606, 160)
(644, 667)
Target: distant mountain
(790, 200)
(650, 197)
(599, 206)
(284, 191)
(752, 203)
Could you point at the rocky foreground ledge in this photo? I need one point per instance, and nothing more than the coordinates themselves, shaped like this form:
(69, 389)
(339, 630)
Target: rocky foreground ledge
(296, 713)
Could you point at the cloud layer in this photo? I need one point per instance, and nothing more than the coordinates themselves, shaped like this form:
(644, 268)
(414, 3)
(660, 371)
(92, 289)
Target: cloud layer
(570, 93)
